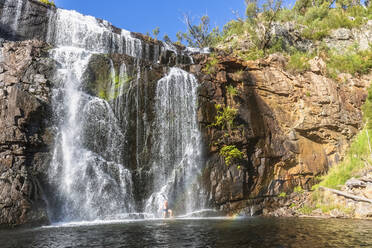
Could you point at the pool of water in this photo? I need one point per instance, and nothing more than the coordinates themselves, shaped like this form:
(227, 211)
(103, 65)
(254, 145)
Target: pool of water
(214, 232)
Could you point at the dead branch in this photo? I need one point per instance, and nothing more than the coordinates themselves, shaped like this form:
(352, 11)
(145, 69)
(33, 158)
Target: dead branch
(347, 195)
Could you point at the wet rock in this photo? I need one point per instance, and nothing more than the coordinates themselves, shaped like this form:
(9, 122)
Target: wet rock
(33, 23)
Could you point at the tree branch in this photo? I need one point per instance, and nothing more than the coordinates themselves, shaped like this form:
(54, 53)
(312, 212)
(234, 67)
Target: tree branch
(347, 195)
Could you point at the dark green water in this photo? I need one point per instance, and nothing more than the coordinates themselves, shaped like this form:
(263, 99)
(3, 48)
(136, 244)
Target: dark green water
(251, 232)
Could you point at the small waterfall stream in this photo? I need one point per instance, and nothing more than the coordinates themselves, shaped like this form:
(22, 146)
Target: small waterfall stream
(12, 19)
(177, 144)
(93, 174)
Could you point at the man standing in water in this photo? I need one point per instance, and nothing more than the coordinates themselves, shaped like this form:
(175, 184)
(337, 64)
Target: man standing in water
(167, 212)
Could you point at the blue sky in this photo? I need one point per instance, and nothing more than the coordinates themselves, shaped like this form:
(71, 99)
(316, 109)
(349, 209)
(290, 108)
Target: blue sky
(145, 15)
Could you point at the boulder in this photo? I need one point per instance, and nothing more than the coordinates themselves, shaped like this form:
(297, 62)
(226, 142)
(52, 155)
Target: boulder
(341, 34)
(355, 183)
(363, 210)
(318, 66)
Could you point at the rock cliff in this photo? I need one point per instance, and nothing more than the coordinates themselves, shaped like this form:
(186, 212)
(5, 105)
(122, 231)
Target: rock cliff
(290, 127)
(25, 139)
(28, 21)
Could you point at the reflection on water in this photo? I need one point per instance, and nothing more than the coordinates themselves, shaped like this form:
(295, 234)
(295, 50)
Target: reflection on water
(252, 232)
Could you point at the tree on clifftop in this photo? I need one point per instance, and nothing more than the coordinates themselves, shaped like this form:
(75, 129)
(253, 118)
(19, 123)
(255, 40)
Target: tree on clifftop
(156, 32)
(199, 35)
(268, 13)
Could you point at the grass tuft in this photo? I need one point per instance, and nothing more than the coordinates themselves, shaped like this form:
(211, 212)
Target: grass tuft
(338, 175)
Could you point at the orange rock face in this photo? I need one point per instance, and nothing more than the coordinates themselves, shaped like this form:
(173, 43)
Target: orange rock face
(290, 127)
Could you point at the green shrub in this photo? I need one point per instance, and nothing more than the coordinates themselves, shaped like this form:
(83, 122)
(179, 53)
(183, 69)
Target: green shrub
(360, 13)
(156, 32)
(353, 61)
(315, 26)
(234, 28)
(231, 154)
(225, 117)
(201, 34)
(325, 202)
(282, 195)
(299, 62)
(48, 2)
(286, 15)
(367, 110)
(306, 210)
(316, 30)
(298, 189)
(315, 13)
(320, 20)
(251, 54)
(278, 45)
(316, 195)
(315, 21)
(233, 91)
(210, 66)
(326, 208)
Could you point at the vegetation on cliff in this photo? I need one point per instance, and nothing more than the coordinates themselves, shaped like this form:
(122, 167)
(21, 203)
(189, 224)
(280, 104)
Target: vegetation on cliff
(266, 28)
(48, 2)
(225, 117)
(232, 155)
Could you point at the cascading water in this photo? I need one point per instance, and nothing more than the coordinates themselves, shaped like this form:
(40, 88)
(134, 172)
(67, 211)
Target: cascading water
(87, 170)
(142, 133)
(10, 17)
(88, 185)
(177, 144)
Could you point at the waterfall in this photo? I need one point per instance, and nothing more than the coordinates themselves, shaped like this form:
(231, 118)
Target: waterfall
(145, 132)
(177, 145)
(87, 172)
(11, 18)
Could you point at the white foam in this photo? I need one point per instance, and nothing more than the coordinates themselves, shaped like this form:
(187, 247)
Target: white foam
(126, 221)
